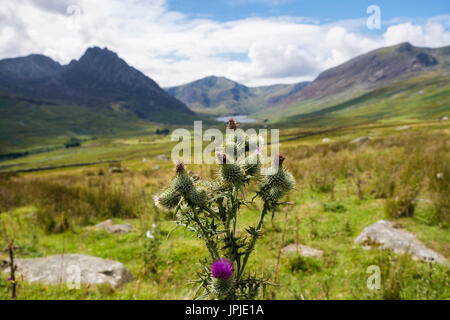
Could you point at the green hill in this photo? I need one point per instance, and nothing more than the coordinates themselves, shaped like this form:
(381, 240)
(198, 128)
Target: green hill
(26, 123)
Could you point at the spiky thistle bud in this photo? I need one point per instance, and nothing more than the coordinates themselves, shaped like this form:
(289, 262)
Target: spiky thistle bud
(230, 173)
(169, 199)
(276, 185)
(196, 197)
(222, 280)
(252, 164)
(182, 183)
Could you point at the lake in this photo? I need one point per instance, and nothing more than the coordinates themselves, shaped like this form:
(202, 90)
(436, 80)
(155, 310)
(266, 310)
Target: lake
(238, 118)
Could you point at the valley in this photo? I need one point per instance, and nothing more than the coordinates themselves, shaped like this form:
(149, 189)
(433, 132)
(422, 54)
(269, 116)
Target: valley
(90, 143)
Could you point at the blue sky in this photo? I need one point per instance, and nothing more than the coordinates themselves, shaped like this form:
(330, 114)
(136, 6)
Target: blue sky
(255, 42)
(325, 11)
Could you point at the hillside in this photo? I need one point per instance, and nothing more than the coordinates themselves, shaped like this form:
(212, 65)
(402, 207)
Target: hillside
(422, 97)
(222, 96)
(99, 79)
(395, 82)
(372, 70)
(30, 123)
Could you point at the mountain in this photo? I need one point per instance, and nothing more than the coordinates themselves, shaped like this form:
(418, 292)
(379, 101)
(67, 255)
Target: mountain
(222, 96)
(99, 79)
(378, 68)
(372, 70)
(398, 82)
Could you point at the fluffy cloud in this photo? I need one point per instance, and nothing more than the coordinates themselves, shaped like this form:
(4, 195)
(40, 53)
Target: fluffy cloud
(432, 34)
(173, 48)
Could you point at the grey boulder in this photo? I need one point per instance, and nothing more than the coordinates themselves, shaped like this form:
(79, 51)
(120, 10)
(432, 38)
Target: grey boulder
(73, 268)
(110, 227)
(383, 235)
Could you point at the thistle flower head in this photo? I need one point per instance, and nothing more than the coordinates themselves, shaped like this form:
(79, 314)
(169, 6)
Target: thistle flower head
(169, 199)
(179, 166)
(282, 180)
(232, 124)
(222, 269)
(182, 183)
(277, 185)
(230, 173)
(196, 197)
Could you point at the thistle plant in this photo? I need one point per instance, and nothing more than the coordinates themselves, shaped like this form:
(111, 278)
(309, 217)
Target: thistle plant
(211, 211)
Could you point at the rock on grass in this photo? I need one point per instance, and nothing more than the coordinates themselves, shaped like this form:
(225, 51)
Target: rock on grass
(70, 267)
(383, 235)
(110, 227)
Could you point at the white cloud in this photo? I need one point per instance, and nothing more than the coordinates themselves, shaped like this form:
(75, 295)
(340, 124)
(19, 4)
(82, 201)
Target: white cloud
(432, 34)
(173, 48)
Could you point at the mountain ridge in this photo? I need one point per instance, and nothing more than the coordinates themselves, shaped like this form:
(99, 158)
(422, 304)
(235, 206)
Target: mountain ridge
(100, 78)
(100, 94)
(373, 69)
(222, 96)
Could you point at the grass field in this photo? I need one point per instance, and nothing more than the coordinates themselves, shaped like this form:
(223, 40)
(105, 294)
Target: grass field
(50, 212)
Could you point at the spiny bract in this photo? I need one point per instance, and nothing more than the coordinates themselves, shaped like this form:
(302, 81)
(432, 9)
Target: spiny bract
(196, 197)
(182, 183)
(169, 199)
(221, 287)
(230, 173)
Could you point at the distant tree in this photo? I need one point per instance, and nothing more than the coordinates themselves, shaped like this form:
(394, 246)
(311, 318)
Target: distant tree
(72, 143)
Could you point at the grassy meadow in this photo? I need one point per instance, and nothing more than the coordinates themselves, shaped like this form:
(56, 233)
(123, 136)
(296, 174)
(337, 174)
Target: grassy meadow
(400, 175)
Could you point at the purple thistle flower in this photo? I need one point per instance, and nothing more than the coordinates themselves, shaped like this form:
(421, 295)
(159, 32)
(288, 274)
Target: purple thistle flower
(8, 279)
(222, 269)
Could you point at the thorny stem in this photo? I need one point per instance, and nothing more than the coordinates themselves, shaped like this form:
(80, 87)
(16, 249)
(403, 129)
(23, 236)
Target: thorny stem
(235, 207)
(252, 244)
(232, 216)
(209, 242)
